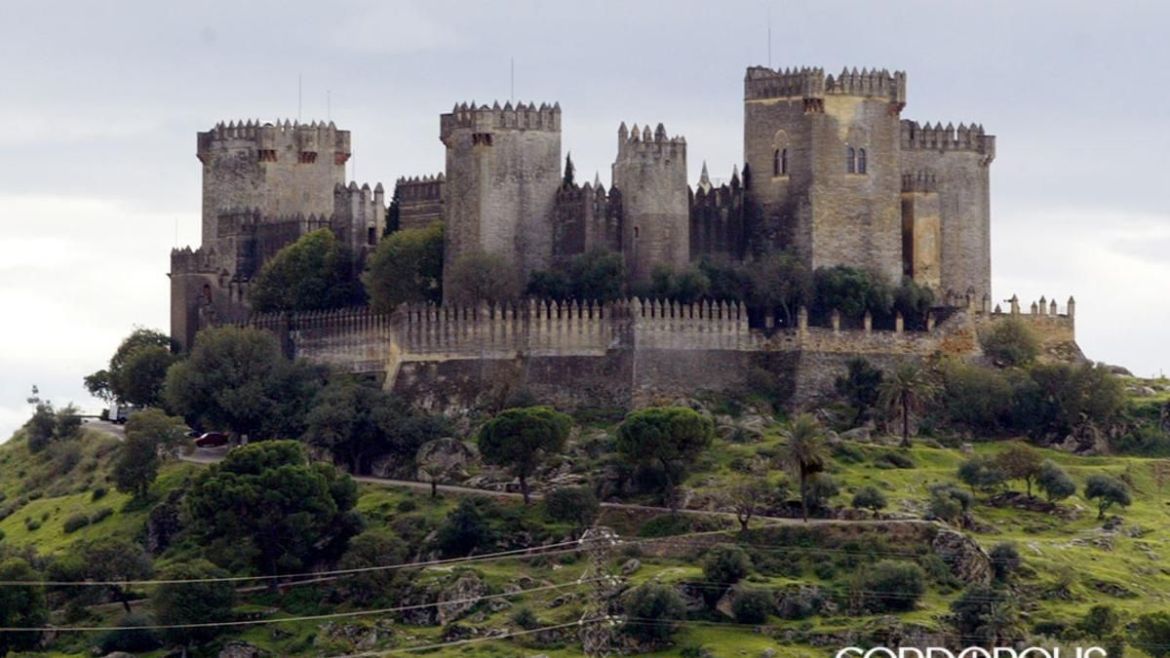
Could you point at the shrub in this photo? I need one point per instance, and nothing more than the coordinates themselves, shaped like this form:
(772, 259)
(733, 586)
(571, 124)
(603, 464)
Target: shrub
(1100, 621)
(977, 398)
(859, 387)
(1054, 481)
(406, 506)
(726, 565)
(75, 523)
(525, 618)
(31, 524)
(1108, 491)
(892, 459)
(844, 452)
(751, 606)
(982, 473)
(576, 505)
(869, 498)
(1011, 343)
(820, 489)
(132, 637)
(948, 502)
(657, 607)
(98, 493)
(891, 586)
(1005, 561)
(464, 530)
(100, 515)
(1152, 634)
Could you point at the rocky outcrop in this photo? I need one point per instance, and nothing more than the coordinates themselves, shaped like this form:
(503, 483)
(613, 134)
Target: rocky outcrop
(803, 601)
(444, 460)
(967, 560)
(237, 649)
(458, 598)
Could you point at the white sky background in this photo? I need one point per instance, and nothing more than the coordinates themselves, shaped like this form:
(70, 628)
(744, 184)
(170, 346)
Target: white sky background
(100, 103)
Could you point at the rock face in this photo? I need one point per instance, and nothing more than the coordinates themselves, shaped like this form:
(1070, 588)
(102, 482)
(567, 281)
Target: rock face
(803, 601)
(460, 597)
(967, 560)
(445, 459)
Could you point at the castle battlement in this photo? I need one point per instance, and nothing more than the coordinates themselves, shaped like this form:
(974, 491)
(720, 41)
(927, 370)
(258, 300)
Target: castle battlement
(420, 188)
(523, 116)
(656, 144)
(191, 261)
(922, 182)
(947, 138)
(269, 140)
(810, 83)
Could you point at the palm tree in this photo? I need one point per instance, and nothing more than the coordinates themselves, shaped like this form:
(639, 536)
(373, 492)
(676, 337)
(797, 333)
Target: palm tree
(804, 453)
(906, 391)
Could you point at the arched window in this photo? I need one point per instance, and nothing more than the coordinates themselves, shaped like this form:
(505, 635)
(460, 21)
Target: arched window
(850, 160)
(861, 161)
(784, 162)
(776, 168)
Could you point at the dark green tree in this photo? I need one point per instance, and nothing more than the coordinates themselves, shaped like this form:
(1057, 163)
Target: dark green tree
(1011, 343)
(1107, 491)
(1020, 462)
(374, 548)
(1054, 481)
(126, 382)
(482, 277)
(114, 559)
(913, 301)
(576, 505)
(137, 465)
(358, 423)
(313, 273)
(859, 387)
(850, 291)
(1152, 634)
(269, 498)
(21, 606)
(1061, 398)
(406, 267)
(982, 473)
(141, 379)
(987, 616)
(237, 379)
(780, 280)
(186, 603)
(977, 398)
(725, 565)
(568, 180)
(520, 439)
(41, 428)
(892, 586)
(98, 385)
(653, 611)
(667, 437)
(751, 606)
(597, 275)
(464, 530)
(1005, 561)
(804, 454)
(870, 498)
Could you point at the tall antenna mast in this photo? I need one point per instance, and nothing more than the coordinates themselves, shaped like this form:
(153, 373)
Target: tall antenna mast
(299, 89)
(769, 36)
(512, 79)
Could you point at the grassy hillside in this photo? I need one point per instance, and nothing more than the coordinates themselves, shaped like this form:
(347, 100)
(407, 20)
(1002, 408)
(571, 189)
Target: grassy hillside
(1070, 562)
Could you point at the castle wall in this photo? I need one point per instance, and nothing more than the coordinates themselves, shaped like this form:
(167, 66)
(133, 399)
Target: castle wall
(359, 217)
(503, 171)
(420, 201)
(584, 218)
(718, 223)
(921, 234)
(959, 160)
(281, 169)
(651, 173)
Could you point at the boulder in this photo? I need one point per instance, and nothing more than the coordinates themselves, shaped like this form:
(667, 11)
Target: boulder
(861, 434)
(458, 598)
(965, 557)
(803, 601)
(631, 566)
(238, 649)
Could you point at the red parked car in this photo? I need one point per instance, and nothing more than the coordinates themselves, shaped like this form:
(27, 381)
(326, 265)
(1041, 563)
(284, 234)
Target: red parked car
(212, 440)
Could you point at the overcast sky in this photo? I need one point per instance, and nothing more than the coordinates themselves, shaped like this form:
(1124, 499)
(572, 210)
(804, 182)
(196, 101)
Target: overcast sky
(100, 103)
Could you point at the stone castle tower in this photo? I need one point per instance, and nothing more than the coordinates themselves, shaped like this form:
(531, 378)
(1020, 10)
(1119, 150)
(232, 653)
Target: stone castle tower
(503, 171)
(264, 186)
(651, 174)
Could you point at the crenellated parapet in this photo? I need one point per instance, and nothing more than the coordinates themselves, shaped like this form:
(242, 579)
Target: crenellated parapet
(193, 261)
(812, 85)
(273, 141)
(419, 188)
(920, 182)
(645, 144)
(485, 119)
(915, 136)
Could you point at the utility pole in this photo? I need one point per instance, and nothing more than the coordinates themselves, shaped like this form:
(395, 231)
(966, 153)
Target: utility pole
(598, 621)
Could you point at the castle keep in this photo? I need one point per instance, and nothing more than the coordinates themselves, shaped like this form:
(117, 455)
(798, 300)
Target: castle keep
(831, 173)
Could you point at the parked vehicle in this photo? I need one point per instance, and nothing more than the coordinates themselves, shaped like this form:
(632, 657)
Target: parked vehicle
(212, 440)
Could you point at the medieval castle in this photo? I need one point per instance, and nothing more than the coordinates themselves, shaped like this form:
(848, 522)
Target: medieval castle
(831, 173)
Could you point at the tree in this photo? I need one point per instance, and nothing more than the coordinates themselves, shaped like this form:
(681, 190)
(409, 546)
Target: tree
(522, 438)
(358, 423)
(237, 379)
(987, 615)
(570, 170)
(21, 606)
(780, 280)
(870, 498)
(684, 287)
(892, 586)
(373, 548)
(137, 465)
(948, 502)
(1100, 621)
(1005, 561)
(576, 505)
(747, 498)
(141, 379)
(977, 398)
(597, 275)
(1061, 398)
(481, 277)
(751, 606)
(41, 428)
(667, 437)
(821, 488)
(269, 501)
(406, 267)
(463, 531)
(906, 391)
(115, 560)
(913, 301)
(725, 565)
(652, 611)
(98, 385)
(859, 387)
(1151, 633)
(1108, 491)
(126, 381)
(1055, 482)
(186, 603)
(1010, 343)
(850, 291)
(982, 473)
(1020, 462)
(804, 454)
(313, 273)
(165, 430)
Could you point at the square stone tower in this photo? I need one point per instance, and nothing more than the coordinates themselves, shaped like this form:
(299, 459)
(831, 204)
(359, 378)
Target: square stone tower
(822, 164)
(503, 171)
(650, 173)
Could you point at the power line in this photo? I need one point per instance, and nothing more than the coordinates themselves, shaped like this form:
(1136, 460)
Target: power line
(251, 622)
